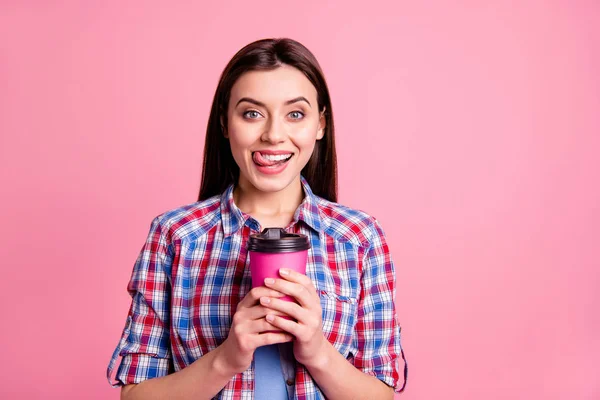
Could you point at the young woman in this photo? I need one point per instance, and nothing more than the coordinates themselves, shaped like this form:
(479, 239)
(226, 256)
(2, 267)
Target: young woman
(195, 328)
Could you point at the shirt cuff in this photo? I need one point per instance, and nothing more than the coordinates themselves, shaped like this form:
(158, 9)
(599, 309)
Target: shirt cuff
(137, 367)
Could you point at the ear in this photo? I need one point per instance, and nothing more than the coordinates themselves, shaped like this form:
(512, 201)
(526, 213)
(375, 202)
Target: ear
(322, 124)
(223, 128)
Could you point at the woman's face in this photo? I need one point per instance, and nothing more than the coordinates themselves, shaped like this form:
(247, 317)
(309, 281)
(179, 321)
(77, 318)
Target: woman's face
(273, 124)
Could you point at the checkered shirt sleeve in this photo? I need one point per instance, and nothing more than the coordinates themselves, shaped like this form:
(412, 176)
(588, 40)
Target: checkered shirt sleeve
(377, 329)
(144, 344)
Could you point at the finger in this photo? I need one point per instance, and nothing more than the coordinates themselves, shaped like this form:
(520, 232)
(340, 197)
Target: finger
(296, 290)
(259, 312)
(265, 339)
(295, 276)
(288, 308)
(261, 326)
(244, 319)
(289, 326)
(251, 299)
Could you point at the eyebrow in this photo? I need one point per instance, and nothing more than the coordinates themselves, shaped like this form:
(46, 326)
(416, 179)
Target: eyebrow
(260, 104)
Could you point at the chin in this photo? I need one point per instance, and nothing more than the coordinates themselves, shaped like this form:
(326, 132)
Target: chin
(270, 184)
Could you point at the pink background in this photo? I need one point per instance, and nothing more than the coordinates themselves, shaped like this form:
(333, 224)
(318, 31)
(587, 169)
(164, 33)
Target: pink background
(470, 129)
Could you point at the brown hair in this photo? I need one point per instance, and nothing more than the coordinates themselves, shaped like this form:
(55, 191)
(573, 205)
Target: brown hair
(219, 168)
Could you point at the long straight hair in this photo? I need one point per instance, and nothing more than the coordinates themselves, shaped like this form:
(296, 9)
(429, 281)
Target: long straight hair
(219, 168)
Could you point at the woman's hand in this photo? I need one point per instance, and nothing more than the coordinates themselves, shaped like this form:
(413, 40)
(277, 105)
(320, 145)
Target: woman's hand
(249, 330)
(307, 314)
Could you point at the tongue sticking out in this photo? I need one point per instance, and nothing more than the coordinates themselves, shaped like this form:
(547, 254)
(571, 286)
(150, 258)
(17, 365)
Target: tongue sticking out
(264, 162)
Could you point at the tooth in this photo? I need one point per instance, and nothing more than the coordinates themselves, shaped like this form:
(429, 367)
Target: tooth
(278, 157)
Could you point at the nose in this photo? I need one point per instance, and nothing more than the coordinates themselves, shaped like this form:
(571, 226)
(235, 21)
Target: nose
(274, 132)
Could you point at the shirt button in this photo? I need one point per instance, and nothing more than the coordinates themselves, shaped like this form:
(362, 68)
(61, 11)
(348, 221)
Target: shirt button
(289, 382)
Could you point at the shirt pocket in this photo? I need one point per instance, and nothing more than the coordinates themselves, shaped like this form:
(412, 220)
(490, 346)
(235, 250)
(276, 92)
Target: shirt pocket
(339, 319)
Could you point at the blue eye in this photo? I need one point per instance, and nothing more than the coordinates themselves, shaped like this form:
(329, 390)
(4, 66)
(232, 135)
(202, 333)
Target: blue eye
(252, 114)
(296, 114)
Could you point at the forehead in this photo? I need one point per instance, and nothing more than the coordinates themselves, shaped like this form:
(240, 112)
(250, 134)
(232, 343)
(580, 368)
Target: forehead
(274, 86)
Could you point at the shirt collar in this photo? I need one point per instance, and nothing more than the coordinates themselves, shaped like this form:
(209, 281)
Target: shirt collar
(234, 219)
(308, 211)
(231, 216)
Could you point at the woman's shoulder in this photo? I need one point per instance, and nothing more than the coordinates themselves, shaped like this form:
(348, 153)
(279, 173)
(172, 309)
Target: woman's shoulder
(193, 219)
(348, 223)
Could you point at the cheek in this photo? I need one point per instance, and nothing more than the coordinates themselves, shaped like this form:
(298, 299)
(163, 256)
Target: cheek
(305, 139)
(240, 140)
(237, 151)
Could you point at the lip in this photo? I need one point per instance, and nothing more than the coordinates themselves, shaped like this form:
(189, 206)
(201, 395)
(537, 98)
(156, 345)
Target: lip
(273, 152)
(270, 170)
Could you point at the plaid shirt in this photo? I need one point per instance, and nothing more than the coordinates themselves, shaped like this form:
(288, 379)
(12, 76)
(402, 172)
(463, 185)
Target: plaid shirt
(193, 271)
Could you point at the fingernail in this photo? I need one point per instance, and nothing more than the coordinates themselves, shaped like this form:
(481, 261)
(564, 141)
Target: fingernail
(265, 300)
(269, 281)
(284, 271)
(270, 317)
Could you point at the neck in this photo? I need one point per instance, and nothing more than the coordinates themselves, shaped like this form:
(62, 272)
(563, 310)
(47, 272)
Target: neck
(268, 204)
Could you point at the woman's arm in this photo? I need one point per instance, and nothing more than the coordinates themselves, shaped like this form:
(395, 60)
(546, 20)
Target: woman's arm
(336, 377)
(204, 378)
(346, 382)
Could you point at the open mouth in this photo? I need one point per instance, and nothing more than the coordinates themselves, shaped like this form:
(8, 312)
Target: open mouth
(270, 160)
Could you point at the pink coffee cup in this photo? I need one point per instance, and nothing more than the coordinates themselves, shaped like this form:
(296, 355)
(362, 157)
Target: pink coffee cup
(273, 249)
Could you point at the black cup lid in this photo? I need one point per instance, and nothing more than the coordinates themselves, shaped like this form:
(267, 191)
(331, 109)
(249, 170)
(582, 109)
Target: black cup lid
(277, 240)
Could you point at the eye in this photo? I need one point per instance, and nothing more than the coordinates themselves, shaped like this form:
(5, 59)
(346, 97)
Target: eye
(251, 114)
(296, 115)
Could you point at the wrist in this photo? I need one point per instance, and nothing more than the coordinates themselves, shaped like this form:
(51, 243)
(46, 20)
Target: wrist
(323, 358)
(221, 364)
